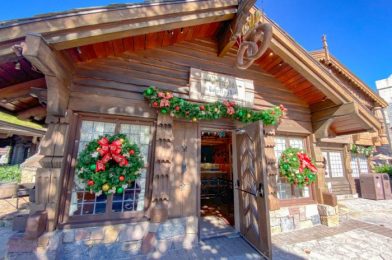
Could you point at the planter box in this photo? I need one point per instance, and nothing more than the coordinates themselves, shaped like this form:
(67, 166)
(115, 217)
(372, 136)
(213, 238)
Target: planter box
(8, 190)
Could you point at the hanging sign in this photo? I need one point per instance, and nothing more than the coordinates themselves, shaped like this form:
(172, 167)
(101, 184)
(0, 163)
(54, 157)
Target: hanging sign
(209, 86)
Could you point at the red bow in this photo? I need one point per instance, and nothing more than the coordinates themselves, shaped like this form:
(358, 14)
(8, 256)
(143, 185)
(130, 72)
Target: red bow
(305, 162)
(230, 107)
(165, 97)
(109, 151)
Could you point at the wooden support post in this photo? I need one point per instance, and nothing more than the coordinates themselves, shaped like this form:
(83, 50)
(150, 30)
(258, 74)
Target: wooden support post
(382, 131)
(317, 155)
(347, 166)
(271, 166)
(162, 165)
(56, 68)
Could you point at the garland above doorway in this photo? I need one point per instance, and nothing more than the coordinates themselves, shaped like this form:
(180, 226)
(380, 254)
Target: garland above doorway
(166, 103)
(359, 149)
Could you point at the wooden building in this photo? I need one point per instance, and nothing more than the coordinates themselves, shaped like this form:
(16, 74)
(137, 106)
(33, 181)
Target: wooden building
(91, 66)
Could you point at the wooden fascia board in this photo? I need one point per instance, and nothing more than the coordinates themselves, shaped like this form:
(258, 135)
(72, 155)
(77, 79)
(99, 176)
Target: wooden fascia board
(21, 89)
(27, 130)
(115, 31)
(101, 16)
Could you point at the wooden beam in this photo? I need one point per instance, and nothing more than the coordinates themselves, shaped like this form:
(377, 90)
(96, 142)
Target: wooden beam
(38, 111)
(229, 34)
(58, 72)
(20, 90)
(85, 36)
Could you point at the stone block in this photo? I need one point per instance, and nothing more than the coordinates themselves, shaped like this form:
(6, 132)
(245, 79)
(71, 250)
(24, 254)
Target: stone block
(134, 232)
(283, 212)
(69, 236)
(315, 219)
(163, 245)
(325, 210)
(274, 222)
(81, 234)
(330, 221)
(171, 228)
(302, 213)
(133, 248)
(296, 219)
(276, 230)
(97, 234)
(54, 241)
(110, 234)
(287, 224)
(293, 211)
(185, 242)
(306, 224)
(311, 210)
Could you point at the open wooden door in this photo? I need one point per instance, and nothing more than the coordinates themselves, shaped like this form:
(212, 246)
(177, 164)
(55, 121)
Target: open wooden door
(252, 188)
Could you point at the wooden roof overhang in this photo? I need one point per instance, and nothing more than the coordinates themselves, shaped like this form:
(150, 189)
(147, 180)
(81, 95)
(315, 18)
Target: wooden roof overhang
(334, 63)
(8, 129)
(80, 28)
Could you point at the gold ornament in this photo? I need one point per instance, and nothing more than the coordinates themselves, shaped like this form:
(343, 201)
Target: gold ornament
(194, 119)
(105, 187)
(249, 115)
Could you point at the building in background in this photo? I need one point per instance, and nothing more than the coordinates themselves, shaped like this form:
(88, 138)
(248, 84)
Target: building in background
(384, 89)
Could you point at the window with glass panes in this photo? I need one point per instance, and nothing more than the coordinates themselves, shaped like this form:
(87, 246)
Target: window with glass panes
(359, 165)
(286, 190)
(83, 202)
(333, 164)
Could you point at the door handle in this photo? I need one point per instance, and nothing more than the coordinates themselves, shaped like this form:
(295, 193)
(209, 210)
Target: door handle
(260, 190)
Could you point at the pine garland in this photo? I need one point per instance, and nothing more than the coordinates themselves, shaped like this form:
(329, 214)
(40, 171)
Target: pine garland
(109, 164)
(359, 149)
(297, 167)
(167, 103)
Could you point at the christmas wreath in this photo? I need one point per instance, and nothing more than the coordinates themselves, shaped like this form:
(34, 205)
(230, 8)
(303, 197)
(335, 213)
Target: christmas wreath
(167, 103)
(109, 164)
(297, 167)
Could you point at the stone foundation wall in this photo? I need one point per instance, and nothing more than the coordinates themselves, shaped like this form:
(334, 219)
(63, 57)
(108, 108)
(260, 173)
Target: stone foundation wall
(121, 241)
(293, 218)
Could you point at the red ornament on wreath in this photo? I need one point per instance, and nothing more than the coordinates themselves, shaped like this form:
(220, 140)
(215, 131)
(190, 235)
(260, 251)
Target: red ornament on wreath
(102, 159)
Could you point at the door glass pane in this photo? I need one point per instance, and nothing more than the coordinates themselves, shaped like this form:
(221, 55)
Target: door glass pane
(363, 164)
(82, 201)
(336, 164)
(354, 166)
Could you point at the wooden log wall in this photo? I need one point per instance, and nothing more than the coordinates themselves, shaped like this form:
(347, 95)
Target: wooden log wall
(121, 80)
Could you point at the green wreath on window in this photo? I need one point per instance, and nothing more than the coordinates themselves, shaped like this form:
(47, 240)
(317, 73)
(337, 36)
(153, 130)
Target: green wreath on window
(297, 167)
(109, 164)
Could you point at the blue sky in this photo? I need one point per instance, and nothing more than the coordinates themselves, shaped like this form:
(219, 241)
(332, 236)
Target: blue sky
(359, 32)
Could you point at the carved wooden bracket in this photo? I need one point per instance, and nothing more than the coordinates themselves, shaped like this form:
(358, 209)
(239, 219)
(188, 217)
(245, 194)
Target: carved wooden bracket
(271, 165)
(253, 46)
(163, 158)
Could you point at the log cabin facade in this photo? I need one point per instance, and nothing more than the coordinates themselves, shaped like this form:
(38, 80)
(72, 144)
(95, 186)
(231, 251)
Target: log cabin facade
(97, 62)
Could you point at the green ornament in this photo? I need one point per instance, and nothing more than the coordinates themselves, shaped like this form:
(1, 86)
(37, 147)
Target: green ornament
(92, 167)
(149, 91)
(300, 178)
(241, 113)
(164, 111)
(286, 167)
(120, 190)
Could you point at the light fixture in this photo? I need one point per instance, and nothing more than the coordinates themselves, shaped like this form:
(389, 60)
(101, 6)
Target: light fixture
(17, 65)
(79, 50)
(182, 30)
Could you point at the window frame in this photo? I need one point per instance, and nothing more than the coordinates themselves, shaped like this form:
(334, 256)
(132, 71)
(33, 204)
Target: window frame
(108, 216)
(341, 152)
(296, 201)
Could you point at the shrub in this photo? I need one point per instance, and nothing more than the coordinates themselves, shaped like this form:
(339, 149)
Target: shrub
(10, 173)
(385, 168)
